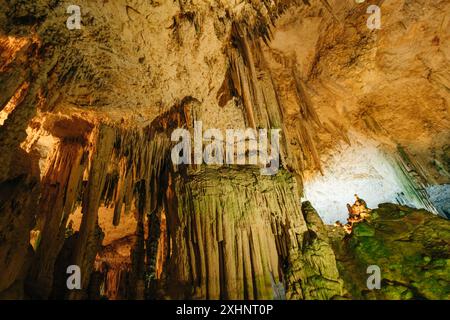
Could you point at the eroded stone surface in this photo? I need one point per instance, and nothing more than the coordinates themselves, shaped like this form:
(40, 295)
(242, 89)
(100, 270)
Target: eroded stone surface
(410, 246)
(90, 112)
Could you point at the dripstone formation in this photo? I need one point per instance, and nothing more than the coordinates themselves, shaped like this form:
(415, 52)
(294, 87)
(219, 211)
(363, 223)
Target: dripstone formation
(87, 176)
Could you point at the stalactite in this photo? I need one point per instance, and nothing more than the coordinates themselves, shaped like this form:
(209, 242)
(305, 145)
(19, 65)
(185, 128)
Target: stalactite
(240, 87)
(60, 190)
(235, 230)
(13, 102)
(122, 158)
(252, 81)
(162, 253)
(138, 251)
(152, 249)
(122, 167)
(90, 234)
(414, 179)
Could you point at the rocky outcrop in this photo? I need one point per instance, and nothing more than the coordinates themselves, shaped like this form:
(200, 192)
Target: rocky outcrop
(85, 123)
(411, 247)
(312, 271)
(17, 219)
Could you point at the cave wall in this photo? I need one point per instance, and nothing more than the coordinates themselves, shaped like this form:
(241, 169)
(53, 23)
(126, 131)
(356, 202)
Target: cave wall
(87, 116)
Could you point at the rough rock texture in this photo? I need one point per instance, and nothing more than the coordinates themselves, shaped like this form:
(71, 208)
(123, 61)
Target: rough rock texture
(312, 271)
(16, 221)
(243, 237)
(411, 247)
(86, 117)
(227, 234)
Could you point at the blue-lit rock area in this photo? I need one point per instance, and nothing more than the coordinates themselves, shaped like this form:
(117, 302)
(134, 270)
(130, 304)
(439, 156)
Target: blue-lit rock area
(440, 198)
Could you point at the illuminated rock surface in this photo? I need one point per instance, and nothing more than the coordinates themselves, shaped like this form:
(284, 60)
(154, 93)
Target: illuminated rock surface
(411, 247)
(86, 118)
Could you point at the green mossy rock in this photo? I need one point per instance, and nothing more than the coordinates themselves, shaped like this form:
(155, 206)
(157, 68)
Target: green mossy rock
(312, 272)
(411, 247)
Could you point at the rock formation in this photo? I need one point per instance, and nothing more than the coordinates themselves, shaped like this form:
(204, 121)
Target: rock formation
(86, 171)
(411, 247)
